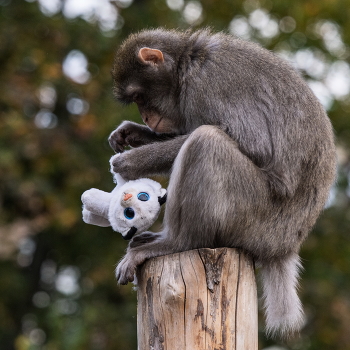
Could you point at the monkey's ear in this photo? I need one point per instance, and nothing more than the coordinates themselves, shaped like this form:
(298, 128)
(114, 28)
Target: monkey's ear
(150, 56)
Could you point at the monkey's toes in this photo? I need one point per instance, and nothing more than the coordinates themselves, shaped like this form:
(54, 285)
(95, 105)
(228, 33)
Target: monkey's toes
(125, 272)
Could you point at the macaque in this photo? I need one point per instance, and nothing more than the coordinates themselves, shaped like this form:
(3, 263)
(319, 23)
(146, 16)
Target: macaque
(248, 148)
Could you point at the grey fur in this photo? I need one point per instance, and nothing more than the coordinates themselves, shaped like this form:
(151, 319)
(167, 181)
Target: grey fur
(248, 147)
(284, 311)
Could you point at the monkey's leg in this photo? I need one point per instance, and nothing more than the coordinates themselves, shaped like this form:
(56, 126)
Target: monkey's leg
(216, 196)
(213, 193)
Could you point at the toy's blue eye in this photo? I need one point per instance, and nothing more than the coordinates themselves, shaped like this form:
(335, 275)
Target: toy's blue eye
(129, 213)
(143, 196)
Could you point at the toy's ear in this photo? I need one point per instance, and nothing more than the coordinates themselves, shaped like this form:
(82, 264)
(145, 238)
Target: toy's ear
(96, 201)
(94, 219)
(162, 198)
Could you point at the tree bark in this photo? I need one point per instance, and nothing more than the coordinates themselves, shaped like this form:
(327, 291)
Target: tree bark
(201, 299)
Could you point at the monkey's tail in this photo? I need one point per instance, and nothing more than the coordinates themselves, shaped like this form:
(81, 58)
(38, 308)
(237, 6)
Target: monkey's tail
(283, 309)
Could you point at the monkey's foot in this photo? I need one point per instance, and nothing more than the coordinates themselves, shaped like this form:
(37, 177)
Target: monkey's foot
(138, 252)
(125, 270)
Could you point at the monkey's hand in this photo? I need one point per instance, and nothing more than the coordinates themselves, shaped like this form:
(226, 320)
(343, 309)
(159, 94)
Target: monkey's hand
(134, 135)
(128, 165)
(127, 134)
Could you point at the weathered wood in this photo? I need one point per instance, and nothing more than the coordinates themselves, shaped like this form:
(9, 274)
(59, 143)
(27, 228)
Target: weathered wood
(201, 299)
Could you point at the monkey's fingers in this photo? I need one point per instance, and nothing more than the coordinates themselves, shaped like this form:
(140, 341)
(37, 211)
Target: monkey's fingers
(133, 141)
(117, 142)
(125, 277)
(125, 271)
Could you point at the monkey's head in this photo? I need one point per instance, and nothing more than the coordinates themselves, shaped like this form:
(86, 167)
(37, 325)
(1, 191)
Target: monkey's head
(144, 72)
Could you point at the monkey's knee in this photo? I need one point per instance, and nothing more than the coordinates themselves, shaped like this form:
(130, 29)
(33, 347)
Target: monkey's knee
(206, 132)
(207, 141)
(207, 150)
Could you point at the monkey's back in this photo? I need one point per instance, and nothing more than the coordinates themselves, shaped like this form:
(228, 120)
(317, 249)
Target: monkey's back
(270, 111)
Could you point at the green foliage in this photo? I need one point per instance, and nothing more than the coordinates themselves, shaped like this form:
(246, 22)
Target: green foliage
(57, 289)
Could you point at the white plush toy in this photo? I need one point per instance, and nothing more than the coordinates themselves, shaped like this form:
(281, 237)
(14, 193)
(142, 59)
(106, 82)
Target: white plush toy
(132, 207)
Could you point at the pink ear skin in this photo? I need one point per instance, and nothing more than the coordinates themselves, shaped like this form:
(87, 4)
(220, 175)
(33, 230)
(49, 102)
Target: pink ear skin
(150, 56)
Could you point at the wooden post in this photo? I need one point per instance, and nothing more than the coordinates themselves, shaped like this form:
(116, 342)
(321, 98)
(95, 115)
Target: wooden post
(201, 299)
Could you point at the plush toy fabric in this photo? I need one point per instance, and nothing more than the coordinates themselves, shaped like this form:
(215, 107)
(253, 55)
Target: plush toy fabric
(132, 207)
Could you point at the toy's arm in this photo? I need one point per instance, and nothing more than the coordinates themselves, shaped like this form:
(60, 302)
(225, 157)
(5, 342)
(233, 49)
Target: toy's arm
(95, 207)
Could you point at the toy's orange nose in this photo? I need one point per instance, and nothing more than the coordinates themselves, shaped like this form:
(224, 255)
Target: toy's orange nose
(127, 196)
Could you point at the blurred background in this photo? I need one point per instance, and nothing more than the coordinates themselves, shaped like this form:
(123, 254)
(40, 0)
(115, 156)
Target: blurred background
(57, 286)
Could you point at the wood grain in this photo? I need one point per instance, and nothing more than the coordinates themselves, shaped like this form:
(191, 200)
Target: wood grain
(201, 299)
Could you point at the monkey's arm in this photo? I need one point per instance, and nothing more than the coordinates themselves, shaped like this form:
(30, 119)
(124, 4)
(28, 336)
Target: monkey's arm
(134, 135)
(153, 159)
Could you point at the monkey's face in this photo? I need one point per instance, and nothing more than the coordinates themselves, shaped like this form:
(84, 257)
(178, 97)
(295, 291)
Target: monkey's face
(154, 120)
(150, 114)
(145, 77)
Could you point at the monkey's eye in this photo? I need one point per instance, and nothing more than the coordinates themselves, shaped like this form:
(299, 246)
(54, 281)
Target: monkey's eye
(138, 98)
(143, 196)
(129, 213)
